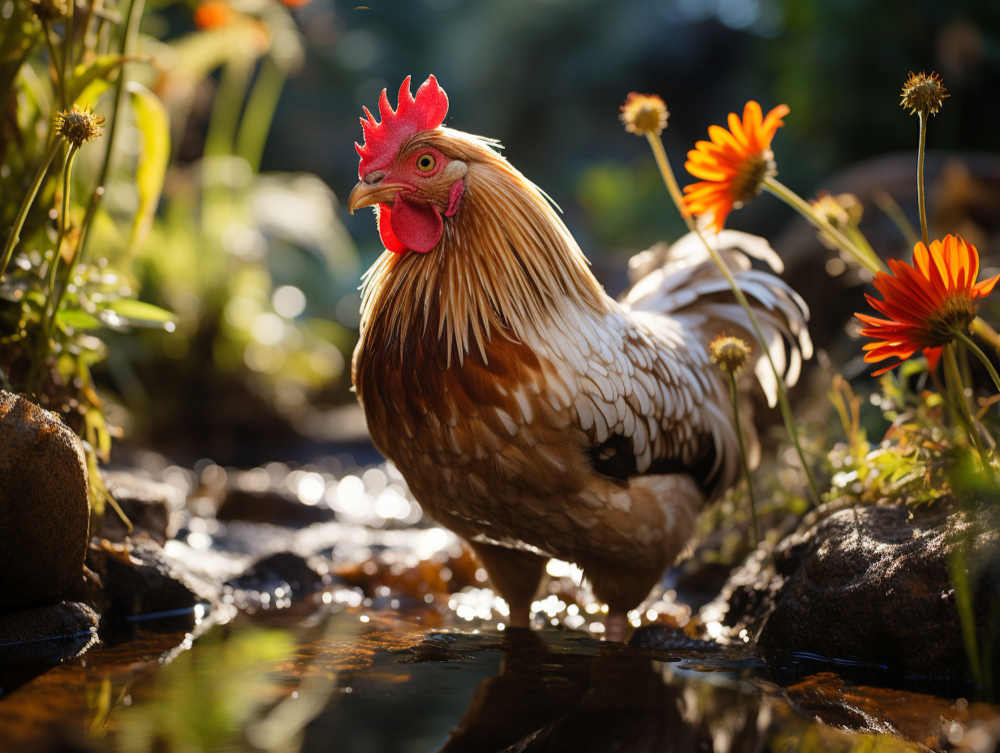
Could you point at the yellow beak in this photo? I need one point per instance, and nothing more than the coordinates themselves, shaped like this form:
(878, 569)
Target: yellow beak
(365, 195)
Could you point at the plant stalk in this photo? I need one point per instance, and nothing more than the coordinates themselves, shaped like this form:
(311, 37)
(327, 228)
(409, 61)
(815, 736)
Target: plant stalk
(15, 233)
(869, 260)
(259, 114)
(734, 396)
(964, 414)
(921, 199)
(978, 353)
(786, 410)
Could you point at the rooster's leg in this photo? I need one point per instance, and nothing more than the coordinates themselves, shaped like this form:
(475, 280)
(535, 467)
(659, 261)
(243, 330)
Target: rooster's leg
(622, 589)
(515, 575)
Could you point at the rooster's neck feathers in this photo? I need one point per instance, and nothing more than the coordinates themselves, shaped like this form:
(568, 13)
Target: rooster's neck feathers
(506, 263)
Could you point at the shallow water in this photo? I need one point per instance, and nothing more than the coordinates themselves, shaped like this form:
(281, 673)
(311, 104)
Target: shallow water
(355, 681)
(401, 647)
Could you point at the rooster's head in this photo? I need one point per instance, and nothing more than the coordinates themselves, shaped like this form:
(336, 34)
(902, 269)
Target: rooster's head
(412, 184)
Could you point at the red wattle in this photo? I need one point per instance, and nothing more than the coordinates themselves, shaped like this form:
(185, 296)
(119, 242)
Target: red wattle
(389, 238)
(417, 226)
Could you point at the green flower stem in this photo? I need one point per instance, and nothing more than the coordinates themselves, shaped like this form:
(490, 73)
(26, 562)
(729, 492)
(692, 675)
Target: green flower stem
(15, 232)
(259, 114)
(921, 199)
(35, 375)
(959, 576)
(786, 409)
(734, 396)
(895, 213)
(978, 353)
(985, 331)
(869, 260)
(67, 55)
(127, 47)
(964, 414)
(54, 60)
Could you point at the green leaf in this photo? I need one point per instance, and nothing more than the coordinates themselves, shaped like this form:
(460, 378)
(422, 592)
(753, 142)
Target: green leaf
(139, 314)
(78, 319)
(101, 68)
(153, 122)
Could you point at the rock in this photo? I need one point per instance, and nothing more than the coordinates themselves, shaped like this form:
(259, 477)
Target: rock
(870, 585)
(287, 571)
(669, 638)
(271, 507)
(46, 635)
(141, 584)
(44, 504)
(146, 503)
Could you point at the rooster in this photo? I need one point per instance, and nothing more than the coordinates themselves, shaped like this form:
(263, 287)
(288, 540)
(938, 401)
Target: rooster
(529, 412)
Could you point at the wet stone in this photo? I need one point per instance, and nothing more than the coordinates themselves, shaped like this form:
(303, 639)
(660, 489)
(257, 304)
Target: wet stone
(46, 635)
(146, 503)
(44, 504)
(142, 584)
(669, 638)
(866, 589)
(271, 507)
(285, 575)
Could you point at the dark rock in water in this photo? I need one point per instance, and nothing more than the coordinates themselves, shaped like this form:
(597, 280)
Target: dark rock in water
(870, 587)
(669, 638)
(288, 571)
(271, 507)
(46, 635)
(142, 584)
(146, 503)
(44, 504)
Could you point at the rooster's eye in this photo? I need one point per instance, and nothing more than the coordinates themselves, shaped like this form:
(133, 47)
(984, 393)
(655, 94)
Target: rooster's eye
(425, 163)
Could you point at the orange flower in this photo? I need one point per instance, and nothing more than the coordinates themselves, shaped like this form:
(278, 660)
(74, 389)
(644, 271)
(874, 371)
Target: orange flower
(926, 303)
(733, 165)
(213, 14)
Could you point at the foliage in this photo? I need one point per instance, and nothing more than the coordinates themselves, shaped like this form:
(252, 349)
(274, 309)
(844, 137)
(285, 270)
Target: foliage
(81, 223)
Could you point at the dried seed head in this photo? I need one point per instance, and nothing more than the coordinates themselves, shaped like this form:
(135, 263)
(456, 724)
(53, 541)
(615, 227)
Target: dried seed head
(923, 93)
(644, 113)
(729, 353)
(79, 125)
(49, 10)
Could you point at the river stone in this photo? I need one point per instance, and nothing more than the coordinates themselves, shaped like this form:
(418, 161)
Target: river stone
(46, 635)
(146, 503)
(870, 585)
(44, 504)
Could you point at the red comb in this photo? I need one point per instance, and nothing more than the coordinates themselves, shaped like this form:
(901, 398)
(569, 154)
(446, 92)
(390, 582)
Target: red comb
(414, 114)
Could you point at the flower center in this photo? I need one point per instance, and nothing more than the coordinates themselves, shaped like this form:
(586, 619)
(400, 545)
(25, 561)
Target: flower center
(754, 170)
(955, 313)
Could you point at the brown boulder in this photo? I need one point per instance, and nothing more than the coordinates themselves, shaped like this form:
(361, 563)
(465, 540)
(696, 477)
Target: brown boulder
(44, 504)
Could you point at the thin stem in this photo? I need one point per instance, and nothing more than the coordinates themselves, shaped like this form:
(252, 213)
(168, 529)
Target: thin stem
(67, 63)
(260, 108)
(734, 396)
(45, 347)
(127, 47)
(895, 213)
(921, 200)
(869, 261)
(969, 343)
(15, 233)
(964, 414)
(985, 331)
(54, 59)
(786, 409)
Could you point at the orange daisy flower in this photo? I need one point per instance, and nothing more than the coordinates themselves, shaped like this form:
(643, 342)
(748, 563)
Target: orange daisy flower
(733, 165)
(213, 14)
(926, 303)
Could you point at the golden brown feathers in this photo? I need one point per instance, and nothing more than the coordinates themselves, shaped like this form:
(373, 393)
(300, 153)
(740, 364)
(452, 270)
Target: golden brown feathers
(506, 261)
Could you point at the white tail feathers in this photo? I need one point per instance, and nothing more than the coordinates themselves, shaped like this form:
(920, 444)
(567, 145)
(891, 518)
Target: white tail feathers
(682, 281)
